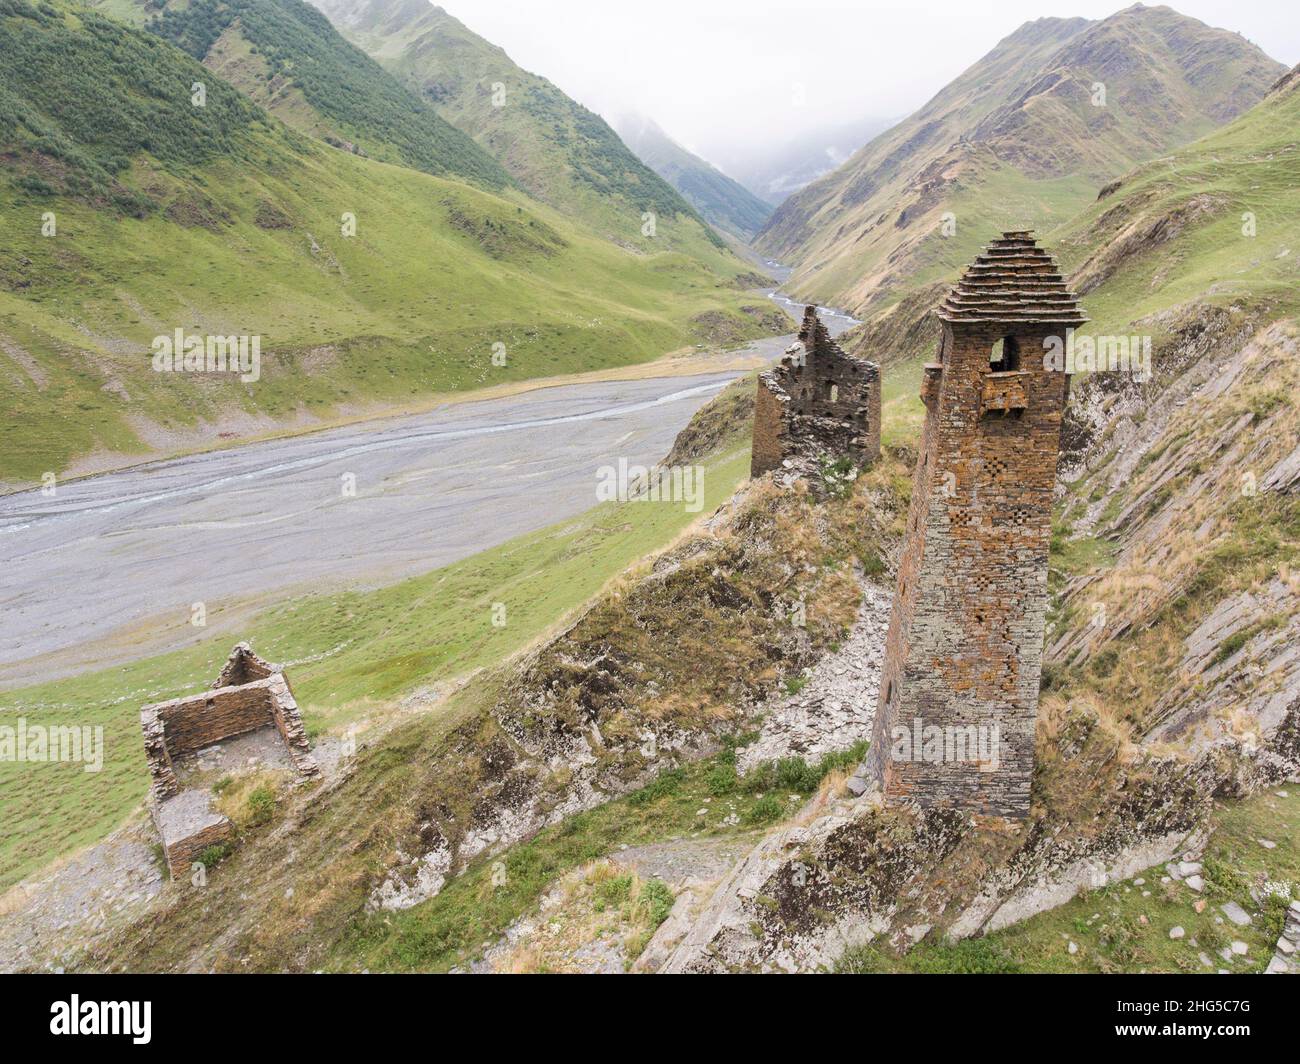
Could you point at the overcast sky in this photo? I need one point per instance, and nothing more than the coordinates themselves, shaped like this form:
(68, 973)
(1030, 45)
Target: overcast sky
(716, 72)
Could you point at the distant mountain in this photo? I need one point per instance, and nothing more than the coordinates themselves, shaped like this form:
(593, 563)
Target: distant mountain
(722, 201)
(781, 163)
(1022, 139)
(556, 149)
(138, 213)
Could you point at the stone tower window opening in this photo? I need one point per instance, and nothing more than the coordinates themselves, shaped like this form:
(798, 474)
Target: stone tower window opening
(1005, 356)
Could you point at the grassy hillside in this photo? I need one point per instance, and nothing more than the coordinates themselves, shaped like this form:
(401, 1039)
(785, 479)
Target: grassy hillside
(287, 57)
(562, 153)
(1184, 488)
(722, 201)
(360, 651)
(1023, 139)
(219, 220)
(1217, 222)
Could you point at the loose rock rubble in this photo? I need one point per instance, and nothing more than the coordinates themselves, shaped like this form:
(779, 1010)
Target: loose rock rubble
(836, 705)
(48, 921)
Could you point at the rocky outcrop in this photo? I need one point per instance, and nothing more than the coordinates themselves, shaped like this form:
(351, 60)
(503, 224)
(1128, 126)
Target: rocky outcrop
(854, 871)
(831, 706)
(1168, 469)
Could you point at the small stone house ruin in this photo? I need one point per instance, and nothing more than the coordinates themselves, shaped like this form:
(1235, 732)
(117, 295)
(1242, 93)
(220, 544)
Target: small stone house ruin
(959, 685)
(818, 404)
(249, 695)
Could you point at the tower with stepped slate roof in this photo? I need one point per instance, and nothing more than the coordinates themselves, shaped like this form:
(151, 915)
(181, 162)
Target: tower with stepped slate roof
(958, 698)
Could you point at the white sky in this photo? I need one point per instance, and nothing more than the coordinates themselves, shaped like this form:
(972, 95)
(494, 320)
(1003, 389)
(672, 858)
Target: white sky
(717, 72)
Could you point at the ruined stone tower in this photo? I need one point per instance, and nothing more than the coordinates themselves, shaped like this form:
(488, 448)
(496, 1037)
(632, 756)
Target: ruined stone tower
(959, 686)
(819, 403)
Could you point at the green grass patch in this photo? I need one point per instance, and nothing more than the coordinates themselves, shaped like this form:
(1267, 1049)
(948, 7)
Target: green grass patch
(452, 928)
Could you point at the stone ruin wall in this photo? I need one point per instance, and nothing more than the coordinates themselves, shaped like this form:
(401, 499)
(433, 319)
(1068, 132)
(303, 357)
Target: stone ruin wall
(965, 640)
(243, 666)
(190, 724)
(182, 853)
(795, 416)
(260, 696)
(769, 448)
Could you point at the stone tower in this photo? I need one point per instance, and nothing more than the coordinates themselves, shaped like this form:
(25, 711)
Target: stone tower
(820, 403)
(959, 685)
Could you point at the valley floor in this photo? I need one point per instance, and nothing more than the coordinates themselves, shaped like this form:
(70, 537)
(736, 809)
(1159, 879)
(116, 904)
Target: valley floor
(111, 566)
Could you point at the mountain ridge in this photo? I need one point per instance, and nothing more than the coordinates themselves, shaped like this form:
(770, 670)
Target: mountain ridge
(558, 150)
(267, 46)
(867, 234)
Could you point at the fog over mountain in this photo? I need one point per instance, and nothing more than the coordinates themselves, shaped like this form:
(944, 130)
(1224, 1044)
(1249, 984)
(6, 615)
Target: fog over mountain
(721, 77)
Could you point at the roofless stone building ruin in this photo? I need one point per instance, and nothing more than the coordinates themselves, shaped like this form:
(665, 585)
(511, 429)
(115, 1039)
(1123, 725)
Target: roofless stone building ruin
(818, 404)
(249, 695)
(963, 658)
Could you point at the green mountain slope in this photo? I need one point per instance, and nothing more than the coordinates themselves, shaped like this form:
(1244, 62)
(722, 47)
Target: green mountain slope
(1021, 140)
(131, 213)
(556, 149)
(1216, 222)
(287, 57)
(722, 201)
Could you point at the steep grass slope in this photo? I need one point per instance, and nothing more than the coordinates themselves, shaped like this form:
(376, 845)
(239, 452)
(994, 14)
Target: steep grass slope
(562, 153)
(133, 213)
(722, 201)
(287, 57)
(1217, 221)
(359, 658)
(1023, 139)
